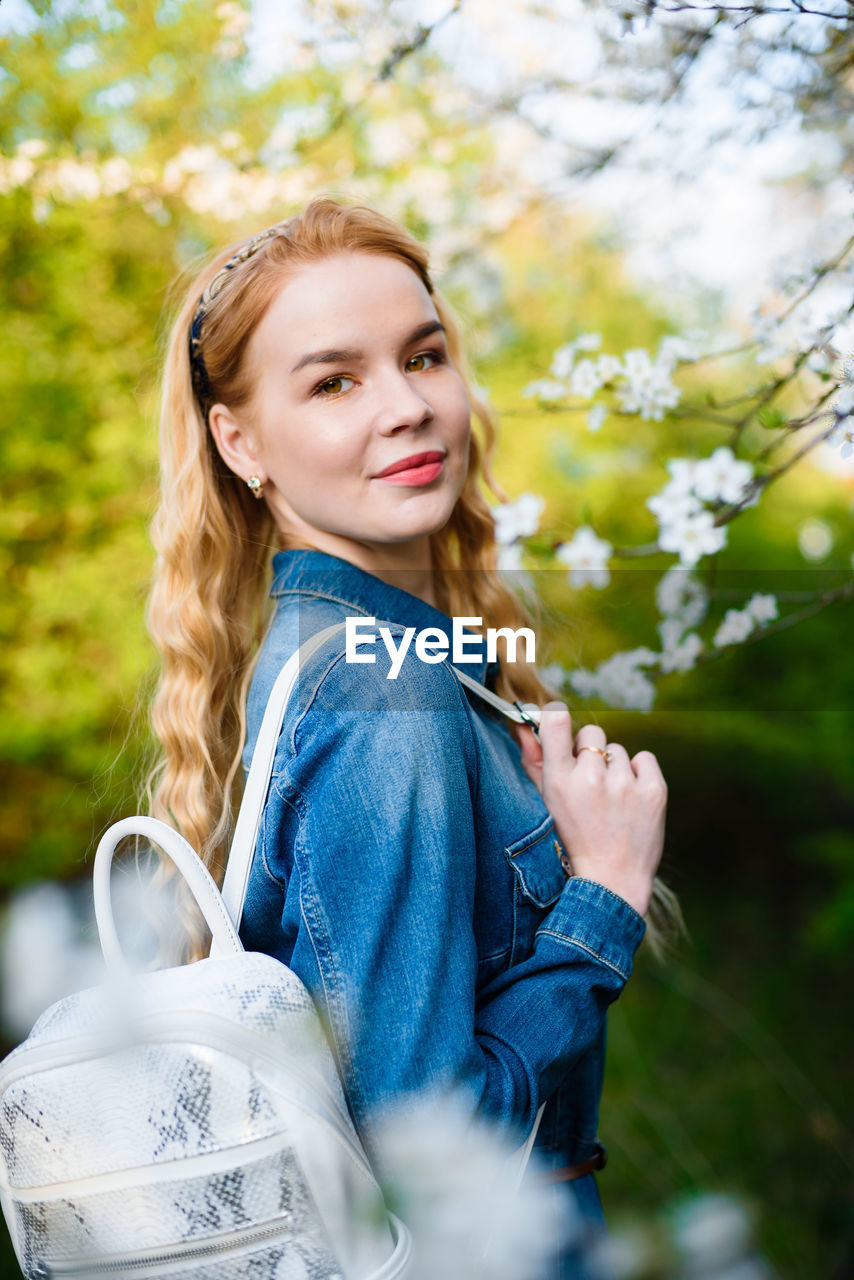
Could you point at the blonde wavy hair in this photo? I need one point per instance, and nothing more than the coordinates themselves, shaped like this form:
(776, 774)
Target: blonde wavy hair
(208, 608)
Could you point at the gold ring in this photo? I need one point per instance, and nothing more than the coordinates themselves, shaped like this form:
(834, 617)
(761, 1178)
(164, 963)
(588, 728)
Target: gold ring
(603, 751)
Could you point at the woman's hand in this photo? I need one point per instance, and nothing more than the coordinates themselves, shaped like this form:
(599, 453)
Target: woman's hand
(609, 817)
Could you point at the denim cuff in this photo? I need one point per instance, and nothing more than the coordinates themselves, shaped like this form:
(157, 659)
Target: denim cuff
(595, 918)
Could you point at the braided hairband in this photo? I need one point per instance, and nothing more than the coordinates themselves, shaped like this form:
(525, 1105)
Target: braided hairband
(201, 383)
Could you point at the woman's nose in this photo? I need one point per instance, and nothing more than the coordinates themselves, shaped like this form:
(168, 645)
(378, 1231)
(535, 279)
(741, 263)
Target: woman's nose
(401, 404)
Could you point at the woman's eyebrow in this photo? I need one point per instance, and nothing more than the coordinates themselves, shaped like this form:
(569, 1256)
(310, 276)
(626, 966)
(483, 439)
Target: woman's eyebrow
(338, 354)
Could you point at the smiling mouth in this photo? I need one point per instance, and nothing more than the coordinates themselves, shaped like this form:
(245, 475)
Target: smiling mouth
(421, 475)
(413, 463)
(420, 469)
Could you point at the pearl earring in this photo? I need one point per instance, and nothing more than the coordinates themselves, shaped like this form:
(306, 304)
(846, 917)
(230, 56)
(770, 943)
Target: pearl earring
(254, 483)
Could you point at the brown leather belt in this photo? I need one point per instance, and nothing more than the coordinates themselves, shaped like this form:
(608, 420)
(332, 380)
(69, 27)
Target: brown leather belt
(571, 1171)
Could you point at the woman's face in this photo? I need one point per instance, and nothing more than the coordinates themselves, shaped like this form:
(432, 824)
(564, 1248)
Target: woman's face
(352, 376)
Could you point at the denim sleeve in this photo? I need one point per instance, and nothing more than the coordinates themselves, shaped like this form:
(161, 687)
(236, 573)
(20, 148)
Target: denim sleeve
(381, 894)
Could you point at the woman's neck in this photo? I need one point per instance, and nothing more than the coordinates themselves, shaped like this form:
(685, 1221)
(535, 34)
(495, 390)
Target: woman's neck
(405, 565)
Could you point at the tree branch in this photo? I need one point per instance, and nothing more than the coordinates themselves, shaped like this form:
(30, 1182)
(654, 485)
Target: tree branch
(422, 34)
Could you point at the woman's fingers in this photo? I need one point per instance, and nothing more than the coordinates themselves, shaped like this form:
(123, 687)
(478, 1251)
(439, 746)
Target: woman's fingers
(619, 763)
(556, 736)
(647, 769)
(609, 815)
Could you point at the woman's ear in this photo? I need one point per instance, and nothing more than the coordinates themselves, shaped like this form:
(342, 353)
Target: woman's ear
(235, 443)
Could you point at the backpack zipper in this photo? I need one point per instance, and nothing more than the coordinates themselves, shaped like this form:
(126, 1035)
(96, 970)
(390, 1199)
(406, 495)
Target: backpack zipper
(395, 1266)
(166, 1256)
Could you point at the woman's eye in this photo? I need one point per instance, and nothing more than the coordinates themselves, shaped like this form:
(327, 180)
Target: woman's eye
(333, 386)
(417, 364)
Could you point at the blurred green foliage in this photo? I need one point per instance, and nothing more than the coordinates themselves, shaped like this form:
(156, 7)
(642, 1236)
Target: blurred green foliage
(728, 1064)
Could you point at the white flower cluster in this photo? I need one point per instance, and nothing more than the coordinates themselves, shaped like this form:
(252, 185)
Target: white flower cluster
(682, 601)
(451, 1180)
(553, 676)
(235, 19)
(739, 623)
(685, 526)
(649, 389)
(517, 519)
(209, 182)
(843, 408)
(514, 520)
(587, 557)
(618, 681)
(643, 384)
(547, 389)
(815, 331)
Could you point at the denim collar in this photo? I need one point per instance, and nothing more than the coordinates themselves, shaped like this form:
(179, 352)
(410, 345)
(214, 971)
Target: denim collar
(306, 573)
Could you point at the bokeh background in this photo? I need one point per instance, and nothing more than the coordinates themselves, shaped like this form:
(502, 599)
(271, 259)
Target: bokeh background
(632, 169)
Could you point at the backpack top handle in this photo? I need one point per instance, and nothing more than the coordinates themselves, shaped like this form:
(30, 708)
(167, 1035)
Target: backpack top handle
(189, 864)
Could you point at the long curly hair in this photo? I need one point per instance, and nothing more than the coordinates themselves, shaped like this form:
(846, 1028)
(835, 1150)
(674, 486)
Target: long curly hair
(208, 607)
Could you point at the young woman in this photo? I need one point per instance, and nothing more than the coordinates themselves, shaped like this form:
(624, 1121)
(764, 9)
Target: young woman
(462, 900)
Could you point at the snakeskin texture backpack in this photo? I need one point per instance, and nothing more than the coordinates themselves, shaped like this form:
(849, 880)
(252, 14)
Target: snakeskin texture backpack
(191, 1121)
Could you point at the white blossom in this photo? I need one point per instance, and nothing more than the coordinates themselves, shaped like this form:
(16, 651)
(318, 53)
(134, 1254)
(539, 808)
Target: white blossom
(553, 675)
(32, 148)
(394, 139)
(682, 473)
(736, 626)
(234, 18)
(510, 558)
(116, 175)
(844, 403)
(584, 380)
(77, 180)
(692, 536)
(583, 682)
(766, 334)
(545, 389)
(762, 608)
(847, 364)
(649, 389)
(617, 680)
(596, 417)
(451, 1178)
(671, 505)
(517, 519)
(42, 954)
(682, 656)
(713, 1235)
(671, 630)
(587, 556)
(671, 349)
(588, 341)
(563, 360)
(608, 368)
(680, 594)
(721, 477)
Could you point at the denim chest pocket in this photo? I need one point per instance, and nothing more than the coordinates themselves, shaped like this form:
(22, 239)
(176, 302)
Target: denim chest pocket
(537, 862)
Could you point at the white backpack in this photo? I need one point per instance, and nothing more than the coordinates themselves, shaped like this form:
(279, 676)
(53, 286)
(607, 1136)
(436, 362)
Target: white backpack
(191, 1122)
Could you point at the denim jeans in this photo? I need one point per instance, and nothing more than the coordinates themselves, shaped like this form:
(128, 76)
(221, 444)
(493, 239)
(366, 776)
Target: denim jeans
(409, 872)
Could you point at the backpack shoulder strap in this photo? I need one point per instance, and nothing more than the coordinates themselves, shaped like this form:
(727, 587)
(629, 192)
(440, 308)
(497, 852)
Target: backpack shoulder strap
(258, 781)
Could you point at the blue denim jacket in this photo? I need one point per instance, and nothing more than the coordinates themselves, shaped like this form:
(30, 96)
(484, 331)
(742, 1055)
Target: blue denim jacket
(409, 872)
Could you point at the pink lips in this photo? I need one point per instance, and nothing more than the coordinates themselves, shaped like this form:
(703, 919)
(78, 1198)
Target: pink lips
(419, 468)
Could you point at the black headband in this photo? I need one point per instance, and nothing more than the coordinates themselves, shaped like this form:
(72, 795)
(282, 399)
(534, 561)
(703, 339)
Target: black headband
(201, 383)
